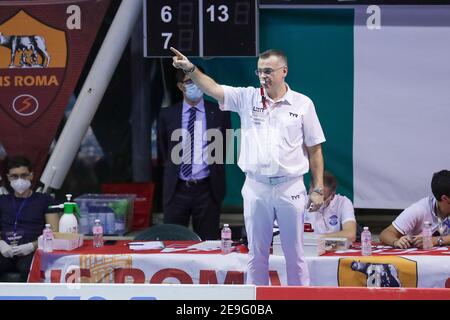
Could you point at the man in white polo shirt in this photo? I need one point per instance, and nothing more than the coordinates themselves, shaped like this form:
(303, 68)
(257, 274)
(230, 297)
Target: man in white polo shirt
(336, 216)
(405, 230)
(281, 140)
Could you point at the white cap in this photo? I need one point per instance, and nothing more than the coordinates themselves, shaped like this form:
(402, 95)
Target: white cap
(226, 225)
(366, 228)
(96, 220)
(48, 225)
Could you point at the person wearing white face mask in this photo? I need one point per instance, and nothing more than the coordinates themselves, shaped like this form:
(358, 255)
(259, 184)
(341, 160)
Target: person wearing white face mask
(194, 186)
(23, 215)
(192, 92)
(336, 216)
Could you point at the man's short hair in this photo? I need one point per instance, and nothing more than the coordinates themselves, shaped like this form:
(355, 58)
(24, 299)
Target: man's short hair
(329, 180)
(273, 52)
(440, 184)
(17, 162)
(179, 74)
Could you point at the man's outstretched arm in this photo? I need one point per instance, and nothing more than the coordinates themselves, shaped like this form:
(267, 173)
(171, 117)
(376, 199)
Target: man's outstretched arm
(204, 82)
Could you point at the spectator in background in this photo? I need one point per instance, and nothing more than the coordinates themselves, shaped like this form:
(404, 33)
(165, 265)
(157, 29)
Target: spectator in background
(23, 215)
(336, 216)
(3, 190)
(194, 188)
(405, 230)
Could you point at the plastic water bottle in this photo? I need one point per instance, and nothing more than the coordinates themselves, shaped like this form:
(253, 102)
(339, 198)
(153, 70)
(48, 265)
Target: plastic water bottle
(97, 231)
(366, 242)
(427, 234)
(225, 237)
(47, 237)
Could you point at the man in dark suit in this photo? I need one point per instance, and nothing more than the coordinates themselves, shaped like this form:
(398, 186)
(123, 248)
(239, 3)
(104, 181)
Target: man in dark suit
(194, 184)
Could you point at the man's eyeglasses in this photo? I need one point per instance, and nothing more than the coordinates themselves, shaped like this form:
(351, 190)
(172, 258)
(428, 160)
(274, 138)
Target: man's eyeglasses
(267, 71)
(187, 81)
(17, 176)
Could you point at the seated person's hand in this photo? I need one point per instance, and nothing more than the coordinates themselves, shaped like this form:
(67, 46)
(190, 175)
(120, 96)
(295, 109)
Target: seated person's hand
(6, 250)
(315, 200)
(403, 242)
(23, 249)
(417, 242)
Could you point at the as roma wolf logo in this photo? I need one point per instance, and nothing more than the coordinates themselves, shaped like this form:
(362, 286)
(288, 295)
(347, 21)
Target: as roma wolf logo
(33, 59)
(378, 274)
(377, 271)
(27, 49)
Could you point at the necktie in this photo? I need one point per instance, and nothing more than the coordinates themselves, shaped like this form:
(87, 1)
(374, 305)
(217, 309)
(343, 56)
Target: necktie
(188, 153)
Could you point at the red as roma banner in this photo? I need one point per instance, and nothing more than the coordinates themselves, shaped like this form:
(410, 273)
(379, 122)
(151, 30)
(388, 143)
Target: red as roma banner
(43, 48)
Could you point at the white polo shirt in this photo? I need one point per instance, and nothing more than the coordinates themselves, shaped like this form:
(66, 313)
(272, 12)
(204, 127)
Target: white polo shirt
(274, 140)
(330, 220)
(410, 221)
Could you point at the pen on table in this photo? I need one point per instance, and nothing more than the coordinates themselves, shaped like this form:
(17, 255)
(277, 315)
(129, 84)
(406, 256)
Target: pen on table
(135, 244)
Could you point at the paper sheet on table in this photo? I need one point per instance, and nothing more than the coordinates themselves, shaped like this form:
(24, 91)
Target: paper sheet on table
(210, 245)
(146, 245)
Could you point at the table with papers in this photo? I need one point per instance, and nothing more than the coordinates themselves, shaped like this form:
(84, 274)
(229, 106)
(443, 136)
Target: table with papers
(189, 262)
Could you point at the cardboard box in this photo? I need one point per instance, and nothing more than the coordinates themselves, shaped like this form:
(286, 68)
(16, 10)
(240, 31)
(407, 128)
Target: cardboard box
(337, 243)
(313, 245)
(64, 241)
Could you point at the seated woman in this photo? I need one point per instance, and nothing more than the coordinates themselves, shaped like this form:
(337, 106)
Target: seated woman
(336, 216)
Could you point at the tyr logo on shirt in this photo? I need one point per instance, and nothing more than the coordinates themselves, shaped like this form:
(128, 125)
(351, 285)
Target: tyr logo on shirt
(295, 115)
(296, 197)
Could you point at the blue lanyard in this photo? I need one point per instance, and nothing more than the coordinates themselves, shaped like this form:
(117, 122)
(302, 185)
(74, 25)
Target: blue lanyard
(18, 212)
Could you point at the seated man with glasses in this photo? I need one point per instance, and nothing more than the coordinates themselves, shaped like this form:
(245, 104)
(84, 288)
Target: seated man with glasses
(281, 140)
(23, 215)
(336, 216)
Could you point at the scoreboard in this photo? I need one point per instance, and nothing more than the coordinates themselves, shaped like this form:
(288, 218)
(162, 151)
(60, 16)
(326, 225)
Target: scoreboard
(201, 28)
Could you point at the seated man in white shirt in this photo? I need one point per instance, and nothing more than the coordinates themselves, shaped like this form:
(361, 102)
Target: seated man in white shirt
(405, 230)
(336, 216)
